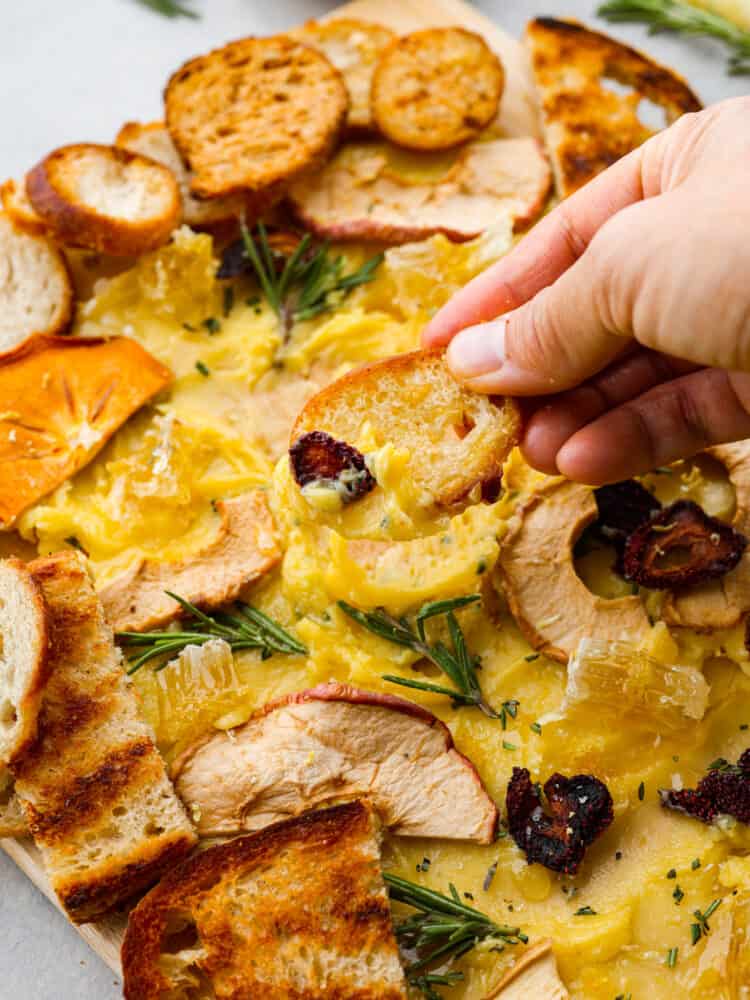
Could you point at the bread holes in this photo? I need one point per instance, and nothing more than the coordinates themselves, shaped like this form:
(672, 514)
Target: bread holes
(180, 934)
(466, 425)
(617, 86)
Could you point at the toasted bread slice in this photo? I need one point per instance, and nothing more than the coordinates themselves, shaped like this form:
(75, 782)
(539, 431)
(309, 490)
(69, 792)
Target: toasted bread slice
(356, 745)
(244, 548)
(19, 209)
(24, 657)
(436, 88)
(12, 819)
(298, 910)
(588, 124)
(105, 198)
(63, 398)
(354, 48)
(153, 140)
(93, 786)
(457, 439)
(362, 195)
(255, 115)
(36, 291)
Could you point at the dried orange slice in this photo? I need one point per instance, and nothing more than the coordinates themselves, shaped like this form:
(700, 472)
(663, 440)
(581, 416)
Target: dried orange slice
(61, 399)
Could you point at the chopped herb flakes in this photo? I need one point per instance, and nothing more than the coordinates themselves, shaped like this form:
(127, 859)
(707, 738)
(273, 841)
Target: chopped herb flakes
(203, 369)
(424, 865)
(672, 873)
(531, 657)
(641, 791)
(584, 911)
(701, 927)
(695, 863)
(678, 895)
(672, 957)
(228, 300)
(535, 728)
(509, 746)
(212, 325)
(489, 876)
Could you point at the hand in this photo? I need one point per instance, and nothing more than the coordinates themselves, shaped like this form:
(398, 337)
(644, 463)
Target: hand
(626, 311)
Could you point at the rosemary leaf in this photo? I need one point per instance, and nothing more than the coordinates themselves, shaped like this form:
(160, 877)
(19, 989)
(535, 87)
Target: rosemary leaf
(169, 8)
(684, 19)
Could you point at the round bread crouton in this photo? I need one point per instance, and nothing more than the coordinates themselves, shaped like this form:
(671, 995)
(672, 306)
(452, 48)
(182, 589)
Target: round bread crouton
(353, 47)
(153, 140)
(255, 115)
(104, 198)
(437, 88)
(36, 292)
(16, 203)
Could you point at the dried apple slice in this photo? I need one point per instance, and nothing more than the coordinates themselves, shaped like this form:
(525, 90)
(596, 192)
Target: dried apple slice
(330, 744)
(548, 599)
(61, 399)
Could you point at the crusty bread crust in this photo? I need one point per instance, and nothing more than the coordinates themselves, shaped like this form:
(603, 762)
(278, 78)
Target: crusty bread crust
(285, 913)
(93, 786)
(79, 391)
(588, 125)
(458, 439)
(359, 196)
(354, 48)
(105, 198)
(36, 289)
(24, 657)
(19, 209)
(254, 115)
(244, 548)
(436, 88)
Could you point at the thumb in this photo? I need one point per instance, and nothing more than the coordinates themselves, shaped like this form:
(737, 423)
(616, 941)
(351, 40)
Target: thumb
(565, 334)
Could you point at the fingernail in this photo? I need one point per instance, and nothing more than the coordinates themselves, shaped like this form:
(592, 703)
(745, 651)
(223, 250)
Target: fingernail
(478, 350)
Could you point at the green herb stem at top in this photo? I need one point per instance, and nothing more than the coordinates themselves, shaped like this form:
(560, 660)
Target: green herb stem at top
(170, 8)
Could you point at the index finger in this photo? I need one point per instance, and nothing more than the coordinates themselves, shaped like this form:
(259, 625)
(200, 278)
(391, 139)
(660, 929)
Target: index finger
(551, 247)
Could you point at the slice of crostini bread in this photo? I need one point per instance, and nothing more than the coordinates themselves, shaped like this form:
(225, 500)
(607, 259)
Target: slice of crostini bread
(19, 209)
(436, 88)
(153, 140)
(354, 48)
(105, 198)
(93, 785)
(24, 657)
(255, 115)
(589, 124)
(298, 910)
(457, 439)
(36, 291)
(12, 819)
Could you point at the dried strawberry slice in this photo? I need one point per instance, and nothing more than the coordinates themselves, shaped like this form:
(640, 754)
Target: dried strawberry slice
(580, 808)
(681, 546)
(725, 790)
(623, 507)
(319, 458)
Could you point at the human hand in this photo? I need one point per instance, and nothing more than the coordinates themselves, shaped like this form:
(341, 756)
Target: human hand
(626, 311)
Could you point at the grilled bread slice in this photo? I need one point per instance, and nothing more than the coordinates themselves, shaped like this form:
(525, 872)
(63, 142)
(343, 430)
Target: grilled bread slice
(588, 124)
(436, 88)
(457, 439)
(354, 48)
(24, 657)
(20, 211)
(364, 193)
(153, 140)
(255, 115)
(12, 819)
(105, 198)
(93, 786)
(298, 911)
(244, 549)
(36, 291)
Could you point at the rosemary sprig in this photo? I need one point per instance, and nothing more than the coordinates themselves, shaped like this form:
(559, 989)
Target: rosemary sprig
(685, 19)
(443, 929)
(456, 663)
(431, 979)
(247, 629)
(306, 283)
(170, 8)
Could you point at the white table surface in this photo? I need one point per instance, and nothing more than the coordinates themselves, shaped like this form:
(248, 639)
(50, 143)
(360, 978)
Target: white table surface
(75, 70)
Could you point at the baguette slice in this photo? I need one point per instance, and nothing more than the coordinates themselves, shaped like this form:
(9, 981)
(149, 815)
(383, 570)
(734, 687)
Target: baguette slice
(93, 786)
(12, 819)
(436, 88)
(19, 209)
(588, 124)
(243, 550)
(362, 194)
(153, 140)
(298, 910)
(36, 291)
(255, 115)
(457, 439)
(24, 657)
(354, 48)
(105, 198)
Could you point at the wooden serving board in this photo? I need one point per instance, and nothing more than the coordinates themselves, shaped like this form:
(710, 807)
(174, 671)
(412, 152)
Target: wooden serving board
(517, 117)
